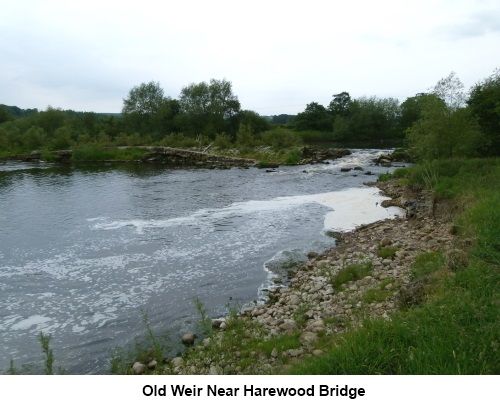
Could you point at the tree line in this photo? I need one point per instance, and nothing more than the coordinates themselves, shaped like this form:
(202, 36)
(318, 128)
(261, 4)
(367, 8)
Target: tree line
(443, 122)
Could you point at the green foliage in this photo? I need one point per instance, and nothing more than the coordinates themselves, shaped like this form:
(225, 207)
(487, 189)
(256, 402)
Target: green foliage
(95, 152)
(205, 321)
(222, 141)
(12, 370)
(281, 138)
(48, 353)
(386, 252)
(245, 136)
(484, 103)
(445, 129)
(314, 117)
(352, 272)
(293, 157)
(209, 108)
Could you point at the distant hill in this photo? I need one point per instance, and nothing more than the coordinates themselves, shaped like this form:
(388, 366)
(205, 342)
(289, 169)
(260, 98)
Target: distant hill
(20, 112)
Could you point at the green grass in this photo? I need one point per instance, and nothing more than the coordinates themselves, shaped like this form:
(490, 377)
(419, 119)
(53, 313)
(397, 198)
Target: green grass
(94, 152)
(352, 272)
(456, 329)
(427, 263)
(386, 252)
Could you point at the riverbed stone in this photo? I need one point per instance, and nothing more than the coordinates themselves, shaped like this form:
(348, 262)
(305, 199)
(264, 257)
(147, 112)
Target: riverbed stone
(188, 338)
(139, 368)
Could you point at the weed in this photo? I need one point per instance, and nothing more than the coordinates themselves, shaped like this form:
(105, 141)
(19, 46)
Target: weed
(352, 272)
(387, 252)
(376, 295)
(205, 322)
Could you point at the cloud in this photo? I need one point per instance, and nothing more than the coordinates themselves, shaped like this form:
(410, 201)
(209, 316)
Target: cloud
(477, 25)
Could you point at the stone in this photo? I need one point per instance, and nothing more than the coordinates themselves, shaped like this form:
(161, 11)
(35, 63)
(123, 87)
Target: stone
(295, 352)
(217, 322)
(139, 368)
(288, 325)
(177, 362)
(152, 364)
(308, 338)
(274, 353)
(385, 242)
(188, 338)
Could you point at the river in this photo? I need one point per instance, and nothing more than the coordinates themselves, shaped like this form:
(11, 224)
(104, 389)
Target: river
(86, 250)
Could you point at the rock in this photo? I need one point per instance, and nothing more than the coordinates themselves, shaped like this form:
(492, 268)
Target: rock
(188, 338)
(295, 352)
(274, 353)
(177, 362)
(345, 169)
(288, 325)
(217, 322)
(214, 371)
(385, 242)
(152, 364)
(308, 338)
(318, 324)
(139, 368)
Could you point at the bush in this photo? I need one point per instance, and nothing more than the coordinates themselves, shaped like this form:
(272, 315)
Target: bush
(281, 138)
(222, 141)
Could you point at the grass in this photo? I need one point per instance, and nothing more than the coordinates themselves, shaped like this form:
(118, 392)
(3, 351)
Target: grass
(456, 328)
(94, 152)
(352, 272)
(387, 252)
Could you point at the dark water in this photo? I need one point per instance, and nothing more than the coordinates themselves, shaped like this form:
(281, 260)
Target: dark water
(85, 249)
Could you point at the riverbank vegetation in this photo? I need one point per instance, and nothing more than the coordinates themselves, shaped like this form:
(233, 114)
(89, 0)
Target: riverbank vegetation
(456, 329)
(444, 122)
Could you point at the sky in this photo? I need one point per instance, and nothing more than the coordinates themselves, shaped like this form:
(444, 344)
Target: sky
(278, 55)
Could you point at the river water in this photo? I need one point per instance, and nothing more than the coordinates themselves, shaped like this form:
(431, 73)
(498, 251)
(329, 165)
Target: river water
(85, 251)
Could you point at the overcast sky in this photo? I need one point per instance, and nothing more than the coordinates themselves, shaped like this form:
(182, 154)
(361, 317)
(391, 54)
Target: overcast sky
(86, 55)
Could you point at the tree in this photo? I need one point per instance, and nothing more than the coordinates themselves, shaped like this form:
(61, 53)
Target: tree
(367, 119)
(257, 123)
(143, 106)
(484, 103)
(451, 91)
(209, 107)
(340, 105)
(145, 99)
(411, 109)
(445, 129)
(314, 117)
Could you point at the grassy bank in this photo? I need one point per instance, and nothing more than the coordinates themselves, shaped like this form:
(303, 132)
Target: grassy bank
(456, 329)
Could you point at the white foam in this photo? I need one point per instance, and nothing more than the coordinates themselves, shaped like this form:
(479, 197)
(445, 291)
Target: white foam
(30, 322)
(350, 208)
(355, 207)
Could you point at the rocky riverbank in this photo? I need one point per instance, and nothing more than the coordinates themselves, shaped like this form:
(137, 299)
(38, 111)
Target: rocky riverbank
(368, 274)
